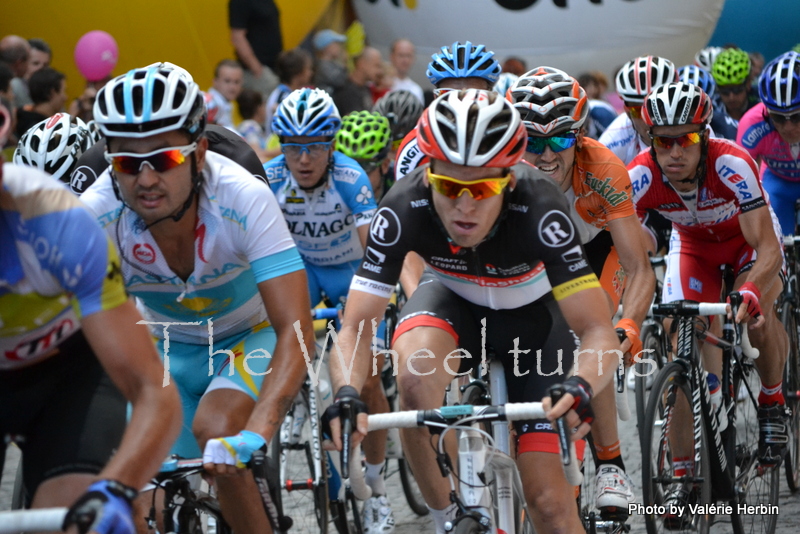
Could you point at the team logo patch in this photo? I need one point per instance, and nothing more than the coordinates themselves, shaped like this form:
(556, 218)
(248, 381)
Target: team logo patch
(555, 229)
(385, 227)
(364, 196)
(144, 253)
(82, 178)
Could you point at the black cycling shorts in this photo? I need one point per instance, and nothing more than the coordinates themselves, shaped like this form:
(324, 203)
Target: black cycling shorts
(65, 413)
(538, 326)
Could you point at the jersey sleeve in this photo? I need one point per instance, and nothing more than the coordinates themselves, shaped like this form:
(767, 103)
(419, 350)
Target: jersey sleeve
(752, 130)
(237, 14)
(641, 177)
(738, 172)
(353, 185)
(387, 245)
(558, 243)
(409, 156)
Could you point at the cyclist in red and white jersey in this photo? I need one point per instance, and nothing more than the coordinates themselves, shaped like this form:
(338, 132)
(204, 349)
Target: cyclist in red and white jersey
(710, 191)
(770, 131)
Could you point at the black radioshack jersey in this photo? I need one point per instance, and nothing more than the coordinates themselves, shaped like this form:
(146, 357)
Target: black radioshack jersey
(220, 140)
(534, 248)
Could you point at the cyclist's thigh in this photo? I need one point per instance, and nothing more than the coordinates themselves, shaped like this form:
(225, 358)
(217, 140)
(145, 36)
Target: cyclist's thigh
(542, 330)
(434, 316)
(693, 270)
(252, 352)
(189, 371)
(314, 287)
(75, 415)
(782, 196)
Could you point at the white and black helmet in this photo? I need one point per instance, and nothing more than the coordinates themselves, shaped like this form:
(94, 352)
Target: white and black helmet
(151, 100)
(639, 76)
(54, 145)
(677, 104)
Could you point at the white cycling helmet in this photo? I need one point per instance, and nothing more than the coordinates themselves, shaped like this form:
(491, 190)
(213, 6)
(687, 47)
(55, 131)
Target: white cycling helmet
(54, 145)
(639, 76)
(677, 104)
(151, 100)
(472, 127)
(706, 57)
(549, 101)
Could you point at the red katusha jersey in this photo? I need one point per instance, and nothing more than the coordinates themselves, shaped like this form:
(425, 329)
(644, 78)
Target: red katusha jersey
(730, 187)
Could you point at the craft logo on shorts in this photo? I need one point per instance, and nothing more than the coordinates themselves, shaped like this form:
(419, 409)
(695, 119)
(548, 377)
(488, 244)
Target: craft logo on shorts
(555, 229)
(385, 227)
(144, 253)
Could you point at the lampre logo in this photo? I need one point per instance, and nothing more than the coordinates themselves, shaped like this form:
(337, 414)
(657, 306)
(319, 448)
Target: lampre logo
(144, 253)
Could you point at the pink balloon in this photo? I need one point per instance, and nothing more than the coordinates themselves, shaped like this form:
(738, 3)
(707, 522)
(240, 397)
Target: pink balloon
(96, 55)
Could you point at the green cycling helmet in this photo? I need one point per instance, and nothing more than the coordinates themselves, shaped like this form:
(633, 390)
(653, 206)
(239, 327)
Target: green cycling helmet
(731, 67)
(364, 135)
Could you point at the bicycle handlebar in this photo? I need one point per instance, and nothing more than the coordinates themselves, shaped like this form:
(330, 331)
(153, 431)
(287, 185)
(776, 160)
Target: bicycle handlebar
(689, 309)
(453, 415)
(40, 519)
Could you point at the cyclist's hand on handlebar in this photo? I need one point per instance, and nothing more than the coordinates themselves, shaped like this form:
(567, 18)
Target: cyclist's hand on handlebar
(575, 403)
(332, 423)
(750, 307)
(631, 343)
(225, 455)
(105, 508)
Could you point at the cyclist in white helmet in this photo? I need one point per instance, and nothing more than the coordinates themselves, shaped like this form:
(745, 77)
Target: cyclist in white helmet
(55, 145)
(207, 252)
(627, 135)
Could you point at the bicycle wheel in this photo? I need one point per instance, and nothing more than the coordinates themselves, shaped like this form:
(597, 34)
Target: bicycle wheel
(588, 513)
(294, 452)
(652, 340)
(758, 484)
(791, 384)
(671, 389)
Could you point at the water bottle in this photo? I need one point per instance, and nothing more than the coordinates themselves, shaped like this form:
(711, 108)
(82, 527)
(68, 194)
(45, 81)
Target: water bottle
(715, 389)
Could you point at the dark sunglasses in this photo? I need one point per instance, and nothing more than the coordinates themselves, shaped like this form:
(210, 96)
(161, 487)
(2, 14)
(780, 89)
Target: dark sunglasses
(160, 160)
(667, 142)
(779, 118)
(731, 90)
(557, 143)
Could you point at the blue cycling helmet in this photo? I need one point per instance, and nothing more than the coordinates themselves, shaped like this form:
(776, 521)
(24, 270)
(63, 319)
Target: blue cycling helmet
(148, 101)
(463, 61)
(779, 84)
(700, 77)
(308, 112)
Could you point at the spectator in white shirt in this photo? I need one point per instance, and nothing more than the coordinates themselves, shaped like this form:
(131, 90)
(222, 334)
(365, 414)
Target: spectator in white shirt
(402, 57)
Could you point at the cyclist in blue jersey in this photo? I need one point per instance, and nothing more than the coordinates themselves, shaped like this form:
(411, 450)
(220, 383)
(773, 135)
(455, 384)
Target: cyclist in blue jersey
(207, 253)
(770, 132)
(71, 353)
(328, 202)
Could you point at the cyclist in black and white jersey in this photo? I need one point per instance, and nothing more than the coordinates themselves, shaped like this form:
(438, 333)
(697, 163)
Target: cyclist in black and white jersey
(503, 258)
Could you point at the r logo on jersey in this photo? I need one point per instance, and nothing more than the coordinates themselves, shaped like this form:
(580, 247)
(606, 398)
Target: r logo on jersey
(555, 229)
(385, 227)
(82, 178)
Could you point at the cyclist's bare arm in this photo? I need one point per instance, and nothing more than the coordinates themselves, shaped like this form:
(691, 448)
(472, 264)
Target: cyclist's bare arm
(413, 266)
(629, 240)
(586, 315)
(286, 300)
(759, 233)
(127, 353)
(361, 308)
